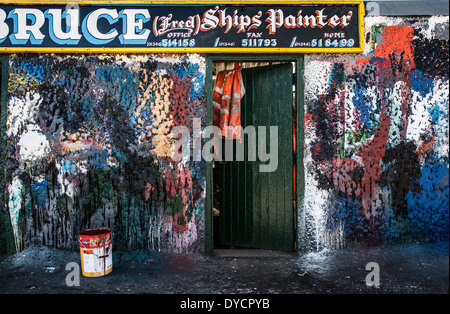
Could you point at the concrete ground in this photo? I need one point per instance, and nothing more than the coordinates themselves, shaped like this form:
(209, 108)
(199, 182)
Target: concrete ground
(403, 269)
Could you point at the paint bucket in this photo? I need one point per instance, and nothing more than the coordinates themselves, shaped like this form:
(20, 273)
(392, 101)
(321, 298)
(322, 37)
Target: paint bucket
(96, 252)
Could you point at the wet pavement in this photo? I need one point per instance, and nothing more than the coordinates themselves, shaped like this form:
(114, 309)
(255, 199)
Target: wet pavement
(403, 269)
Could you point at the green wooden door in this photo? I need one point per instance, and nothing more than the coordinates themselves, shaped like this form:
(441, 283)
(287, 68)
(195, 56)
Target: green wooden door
(256, 208)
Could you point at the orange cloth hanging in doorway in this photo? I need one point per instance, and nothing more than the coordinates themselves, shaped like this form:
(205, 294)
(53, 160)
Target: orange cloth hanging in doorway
(228, 92)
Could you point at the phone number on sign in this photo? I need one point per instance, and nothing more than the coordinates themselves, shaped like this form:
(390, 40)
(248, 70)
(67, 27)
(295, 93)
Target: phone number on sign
(258, 42)
(178, 43)
(333, 43)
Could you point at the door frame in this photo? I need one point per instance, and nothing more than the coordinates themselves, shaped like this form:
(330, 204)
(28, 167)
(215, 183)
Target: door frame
(299, 227)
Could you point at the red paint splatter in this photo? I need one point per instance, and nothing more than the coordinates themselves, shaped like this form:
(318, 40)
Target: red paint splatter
(424, 148)
(183, 108)
(148, 191)
(179, 181)
(397, 40)
(371, 154)
(307, 120)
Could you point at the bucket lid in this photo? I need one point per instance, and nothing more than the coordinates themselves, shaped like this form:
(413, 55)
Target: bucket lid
(95, 231)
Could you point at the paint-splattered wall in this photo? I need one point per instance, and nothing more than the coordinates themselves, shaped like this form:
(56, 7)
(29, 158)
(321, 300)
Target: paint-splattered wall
(376, 144)
(88, 145)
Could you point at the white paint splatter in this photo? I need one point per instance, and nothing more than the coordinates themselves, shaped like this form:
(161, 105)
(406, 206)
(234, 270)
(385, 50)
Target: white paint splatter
(316, 77)
(433, 22)
(15, 190)
(440, 100)
(395, 107)
(179, 242)
(22, 112)
(315, 201)
(33, 146)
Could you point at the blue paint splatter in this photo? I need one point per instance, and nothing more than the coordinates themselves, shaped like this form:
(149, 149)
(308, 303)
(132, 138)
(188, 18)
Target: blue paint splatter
(68, 166)
(421, 83)
(36, 70)
(197, 82)
(435, 113)
(97, 158)
(429, 210)
(362, 102)
(346, 214)
(39, 191)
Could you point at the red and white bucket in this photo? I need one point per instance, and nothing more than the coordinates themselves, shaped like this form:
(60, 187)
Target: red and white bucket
(96, 252)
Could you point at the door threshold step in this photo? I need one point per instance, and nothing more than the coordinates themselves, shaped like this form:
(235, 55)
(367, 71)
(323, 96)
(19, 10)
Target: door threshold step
(251, 253)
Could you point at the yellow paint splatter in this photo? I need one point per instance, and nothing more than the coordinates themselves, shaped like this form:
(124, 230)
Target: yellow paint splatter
(156, 91)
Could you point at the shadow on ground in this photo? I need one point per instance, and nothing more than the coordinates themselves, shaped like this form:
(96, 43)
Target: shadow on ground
(407, 268)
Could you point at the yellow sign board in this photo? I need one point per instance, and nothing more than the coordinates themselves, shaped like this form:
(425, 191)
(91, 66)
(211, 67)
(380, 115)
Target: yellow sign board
(181, 26)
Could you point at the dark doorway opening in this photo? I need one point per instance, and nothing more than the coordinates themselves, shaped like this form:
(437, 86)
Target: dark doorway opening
(254, 208)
